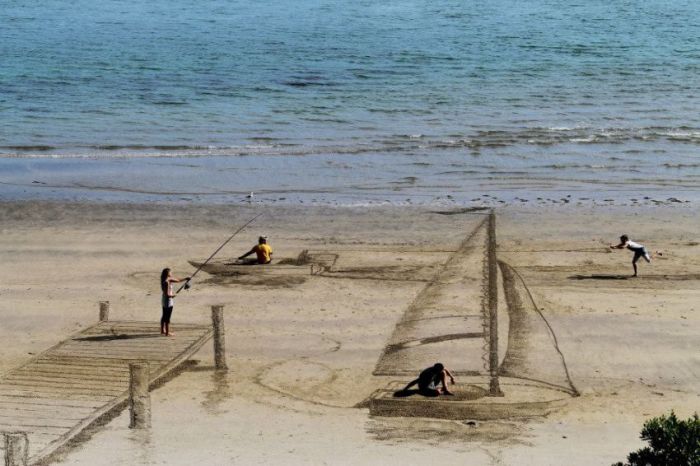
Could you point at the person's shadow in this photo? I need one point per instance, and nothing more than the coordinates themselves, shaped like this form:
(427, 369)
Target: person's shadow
(600, 277)
(410, 392)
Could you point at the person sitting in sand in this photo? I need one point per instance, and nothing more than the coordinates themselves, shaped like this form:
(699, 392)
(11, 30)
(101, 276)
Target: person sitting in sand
(638, 249)
(262, 250)
(430, 378)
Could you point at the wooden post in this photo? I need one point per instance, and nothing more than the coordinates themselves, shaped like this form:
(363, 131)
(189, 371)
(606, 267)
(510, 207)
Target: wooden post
(139, 398)
(104, 311)
(217, 320)
(494, 387)
(16, 448)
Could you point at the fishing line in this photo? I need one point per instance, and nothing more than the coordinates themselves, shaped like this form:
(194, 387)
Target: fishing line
(186, 285)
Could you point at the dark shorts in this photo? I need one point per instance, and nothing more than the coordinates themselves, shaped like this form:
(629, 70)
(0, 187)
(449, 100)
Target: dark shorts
(640, 253)
(167, 312)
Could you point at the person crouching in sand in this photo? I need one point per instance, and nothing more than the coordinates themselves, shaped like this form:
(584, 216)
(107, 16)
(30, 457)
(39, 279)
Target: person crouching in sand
(638, 249)
(430, 378)
(166, 286)
(262, 250)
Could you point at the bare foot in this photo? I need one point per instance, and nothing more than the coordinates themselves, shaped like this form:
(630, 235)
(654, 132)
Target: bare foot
(171, 334)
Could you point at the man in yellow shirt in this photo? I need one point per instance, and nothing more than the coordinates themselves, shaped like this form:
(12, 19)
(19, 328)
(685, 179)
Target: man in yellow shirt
(262, 250)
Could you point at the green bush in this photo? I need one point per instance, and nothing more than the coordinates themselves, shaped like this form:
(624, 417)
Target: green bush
(672, 442)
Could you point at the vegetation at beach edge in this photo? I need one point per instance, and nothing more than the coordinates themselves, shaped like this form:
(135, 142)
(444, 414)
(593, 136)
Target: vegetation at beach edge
(671, 442)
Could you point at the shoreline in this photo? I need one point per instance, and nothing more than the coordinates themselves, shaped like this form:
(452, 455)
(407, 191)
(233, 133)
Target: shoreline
(452, 178)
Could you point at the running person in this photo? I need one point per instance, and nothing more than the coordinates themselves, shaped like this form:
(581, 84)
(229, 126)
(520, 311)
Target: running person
(166, 286)
(638, 249)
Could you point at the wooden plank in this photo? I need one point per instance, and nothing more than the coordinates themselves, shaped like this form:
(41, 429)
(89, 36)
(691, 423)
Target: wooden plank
(132, 346)
(68, 393)
(44, 401)
(82, 361)
(45, 411)
(120, 356)
(35, 381)
(67, 381)
(18, 421)
(132, 333)
(34, 427)
(69, 363)
(28, 393)
(183, 342)
(69, 374)
(158, 372)
(58, 387)
(40, 406)
(129, 352)
(144, 346)
(74, 369)
(141, 349)
(58, 393)
(160, 342)
(127, 355)
(68, 377)
(115, 326)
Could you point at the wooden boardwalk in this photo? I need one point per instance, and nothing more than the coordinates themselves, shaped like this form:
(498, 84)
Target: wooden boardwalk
(60, 392)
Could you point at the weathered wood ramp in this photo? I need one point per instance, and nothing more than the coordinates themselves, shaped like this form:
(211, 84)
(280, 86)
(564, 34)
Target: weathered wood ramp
(62, 391)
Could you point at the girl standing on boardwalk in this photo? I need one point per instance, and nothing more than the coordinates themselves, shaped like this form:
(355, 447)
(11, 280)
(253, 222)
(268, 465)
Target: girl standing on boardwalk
(166, 286)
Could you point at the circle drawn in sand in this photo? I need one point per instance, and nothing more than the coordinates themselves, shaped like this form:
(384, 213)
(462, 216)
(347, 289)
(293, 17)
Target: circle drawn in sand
(300, 379)
(298, 376)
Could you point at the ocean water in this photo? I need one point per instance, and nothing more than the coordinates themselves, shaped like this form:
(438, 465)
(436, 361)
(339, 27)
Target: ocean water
(336, 101)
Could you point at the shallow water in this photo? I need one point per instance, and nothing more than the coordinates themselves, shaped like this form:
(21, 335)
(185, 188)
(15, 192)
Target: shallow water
(358, 100)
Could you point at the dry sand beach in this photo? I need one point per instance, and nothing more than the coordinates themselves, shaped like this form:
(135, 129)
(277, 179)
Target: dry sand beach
(303, 349)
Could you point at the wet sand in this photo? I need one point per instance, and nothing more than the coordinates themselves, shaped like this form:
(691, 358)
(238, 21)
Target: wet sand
(302, 349)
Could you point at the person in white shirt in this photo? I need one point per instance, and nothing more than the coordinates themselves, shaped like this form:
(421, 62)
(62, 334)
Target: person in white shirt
(168, 298)
(638, 249)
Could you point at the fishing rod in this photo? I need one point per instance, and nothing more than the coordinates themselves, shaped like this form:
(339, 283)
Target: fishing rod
(187, 282)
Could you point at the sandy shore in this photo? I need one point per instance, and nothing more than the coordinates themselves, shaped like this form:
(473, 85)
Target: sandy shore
(302, 348)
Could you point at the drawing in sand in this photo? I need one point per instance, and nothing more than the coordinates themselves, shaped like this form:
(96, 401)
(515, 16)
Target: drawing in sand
(638, 249)
(333, 354)
(262, 250)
